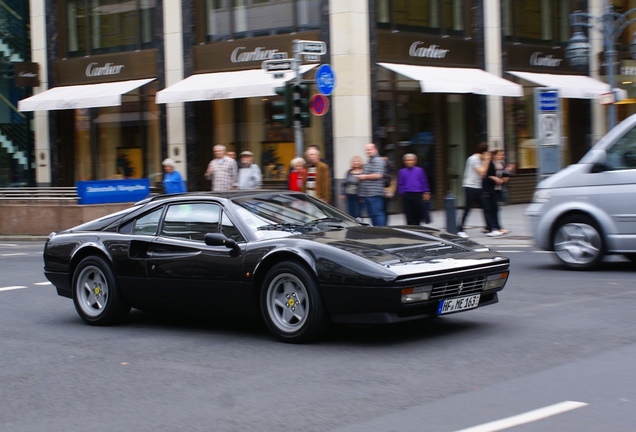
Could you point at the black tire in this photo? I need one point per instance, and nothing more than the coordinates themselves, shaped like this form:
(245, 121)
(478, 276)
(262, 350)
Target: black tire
(291, 304)
(96, 294)
(578, 242)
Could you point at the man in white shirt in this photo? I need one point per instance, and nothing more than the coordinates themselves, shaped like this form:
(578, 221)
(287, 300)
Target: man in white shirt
(249, 174)
(474, 172)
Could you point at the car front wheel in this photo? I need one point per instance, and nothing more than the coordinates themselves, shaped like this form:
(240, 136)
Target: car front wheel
(578, 243)
(291, 304)
(95, 293)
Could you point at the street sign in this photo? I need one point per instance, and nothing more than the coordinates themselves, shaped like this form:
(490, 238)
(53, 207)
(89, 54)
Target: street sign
(325, 79)
(277, 65)
(311, 47)
(319, 105)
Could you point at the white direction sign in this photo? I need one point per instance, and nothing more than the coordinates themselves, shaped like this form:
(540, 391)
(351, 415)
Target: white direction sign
(278, 65)
(311, 47)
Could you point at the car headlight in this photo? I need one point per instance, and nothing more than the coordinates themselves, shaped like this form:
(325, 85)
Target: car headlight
(496, 281)
(541, 196)
(416, 294)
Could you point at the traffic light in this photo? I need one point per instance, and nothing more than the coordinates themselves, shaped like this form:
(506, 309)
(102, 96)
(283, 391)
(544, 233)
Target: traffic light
(301, 104)
(283, 109)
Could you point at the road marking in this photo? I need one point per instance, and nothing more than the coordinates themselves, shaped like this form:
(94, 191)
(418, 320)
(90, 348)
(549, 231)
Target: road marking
(8, 245)
(526, 417)
(42, 283)
(9, 288)
(13, 254)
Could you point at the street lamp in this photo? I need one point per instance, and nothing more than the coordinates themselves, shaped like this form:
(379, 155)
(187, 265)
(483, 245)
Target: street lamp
(611, 25)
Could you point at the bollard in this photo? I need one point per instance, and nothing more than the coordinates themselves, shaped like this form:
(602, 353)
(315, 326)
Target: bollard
(451, 213)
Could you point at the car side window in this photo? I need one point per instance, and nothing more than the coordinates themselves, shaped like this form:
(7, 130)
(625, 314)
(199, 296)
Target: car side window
(144, 225)
(622, 155)
(191, 221)
(229, 230)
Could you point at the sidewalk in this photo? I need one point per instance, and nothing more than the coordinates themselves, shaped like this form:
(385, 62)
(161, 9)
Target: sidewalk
(511, 216)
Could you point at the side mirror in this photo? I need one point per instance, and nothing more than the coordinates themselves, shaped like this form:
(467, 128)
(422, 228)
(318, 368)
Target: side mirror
(598, 167)
(215, 239)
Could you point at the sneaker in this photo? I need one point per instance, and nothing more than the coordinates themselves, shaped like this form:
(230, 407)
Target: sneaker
(462, 234)
(494, 233)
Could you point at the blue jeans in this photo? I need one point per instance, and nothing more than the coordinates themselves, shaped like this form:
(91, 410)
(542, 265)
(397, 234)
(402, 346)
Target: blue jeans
(353, 205)
(375, 210)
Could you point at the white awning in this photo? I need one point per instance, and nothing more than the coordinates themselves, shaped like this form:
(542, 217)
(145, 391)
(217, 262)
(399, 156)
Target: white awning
(226, 85)
(456, 80)
(80, 96)
(569, 86)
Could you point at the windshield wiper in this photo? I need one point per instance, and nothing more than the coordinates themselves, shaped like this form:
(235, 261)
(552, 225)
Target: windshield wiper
(281, 227)
(325, 220)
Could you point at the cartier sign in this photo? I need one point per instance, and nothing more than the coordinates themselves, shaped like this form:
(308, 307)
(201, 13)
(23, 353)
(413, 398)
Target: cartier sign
(539, 59)
(106, 68)
(27, 74)
(432, 51)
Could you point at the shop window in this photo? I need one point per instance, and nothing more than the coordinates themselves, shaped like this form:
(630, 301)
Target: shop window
(537, 21)
(104, 26)
(226, 19)
(447, 17)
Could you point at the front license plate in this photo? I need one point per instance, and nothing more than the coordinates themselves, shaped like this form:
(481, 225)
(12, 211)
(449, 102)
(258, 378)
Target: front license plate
(458, 304)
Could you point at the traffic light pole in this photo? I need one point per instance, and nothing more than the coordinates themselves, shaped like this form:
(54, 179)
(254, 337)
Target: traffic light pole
(298, 130)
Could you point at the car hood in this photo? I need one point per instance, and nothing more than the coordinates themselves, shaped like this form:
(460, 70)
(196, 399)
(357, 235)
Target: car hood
(402, 248)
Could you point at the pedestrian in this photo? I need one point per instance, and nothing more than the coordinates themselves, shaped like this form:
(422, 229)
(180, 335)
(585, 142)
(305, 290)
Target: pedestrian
(318, 176)
(492, 187)
(222, 170)
(350, 187)
(474, 172)
(172, 181)
(372, 185)
(297, 172)
(413, 187)
(249, 174)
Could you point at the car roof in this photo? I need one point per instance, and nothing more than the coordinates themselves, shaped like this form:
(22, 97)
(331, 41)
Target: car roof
(206, 194)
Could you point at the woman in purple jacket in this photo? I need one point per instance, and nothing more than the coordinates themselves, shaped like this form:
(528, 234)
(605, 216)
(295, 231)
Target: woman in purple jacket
(413, 187)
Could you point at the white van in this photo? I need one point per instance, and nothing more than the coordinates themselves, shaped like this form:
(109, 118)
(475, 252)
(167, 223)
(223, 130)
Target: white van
(588, 209)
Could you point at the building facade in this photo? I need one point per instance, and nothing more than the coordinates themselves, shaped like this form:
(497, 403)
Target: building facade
(125, 84)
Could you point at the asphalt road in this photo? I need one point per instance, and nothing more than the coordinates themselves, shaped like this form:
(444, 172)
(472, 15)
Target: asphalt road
(556, 354)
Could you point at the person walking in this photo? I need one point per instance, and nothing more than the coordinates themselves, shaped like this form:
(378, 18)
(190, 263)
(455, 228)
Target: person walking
(474, 171)
(172, 181)
(413, 187)
(318, 177)
(222, 170)
(297, 173)
(249, 174)
(372, 185)
(493, 182)
(350, 187)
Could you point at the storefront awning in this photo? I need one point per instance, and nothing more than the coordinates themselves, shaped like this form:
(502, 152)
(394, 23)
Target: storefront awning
(81, 96)
(569, 86)
(226, 85)
(456, 80)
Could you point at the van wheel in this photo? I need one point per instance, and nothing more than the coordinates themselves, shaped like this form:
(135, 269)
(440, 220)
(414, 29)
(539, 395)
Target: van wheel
(578, 242)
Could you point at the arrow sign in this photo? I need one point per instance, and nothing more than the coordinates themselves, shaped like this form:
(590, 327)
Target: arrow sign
(277, 65)
(311, 47)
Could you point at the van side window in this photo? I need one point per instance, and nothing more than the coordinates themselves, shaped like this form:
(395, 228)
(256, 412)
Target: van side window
(622, 155)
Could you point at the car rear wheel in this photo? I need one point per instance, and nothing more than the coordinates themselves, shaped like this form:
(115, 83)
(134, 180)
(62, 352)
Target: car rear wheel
(578, 243)
(291, 304)
(95, 293)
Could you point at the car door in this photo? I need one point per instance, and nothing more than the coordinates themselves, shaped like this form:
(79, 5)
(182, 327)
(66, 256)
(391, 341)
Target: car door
(617, 194)
(185, 272)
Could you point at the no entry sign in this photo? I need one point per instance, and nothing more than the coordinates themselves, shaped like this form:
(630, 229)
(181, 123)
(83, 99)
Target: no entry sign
(318, 104)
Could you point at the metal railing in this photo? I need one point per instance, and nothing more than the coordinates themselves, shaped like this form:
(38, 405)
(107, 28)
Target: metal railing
(39, 193)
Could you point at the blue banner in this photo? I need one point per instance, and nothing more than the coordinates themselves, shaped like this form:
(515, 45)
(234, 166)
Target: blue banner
(112, 191)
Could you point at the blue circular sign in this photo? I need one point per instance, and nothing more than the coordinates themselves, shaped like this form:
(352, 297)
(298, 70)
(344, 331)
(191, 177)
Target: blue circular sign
(325, 79)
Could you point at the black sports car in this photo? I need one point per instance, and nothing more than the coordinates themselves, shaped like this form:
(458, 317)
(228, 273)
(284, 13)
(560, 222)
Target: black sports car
(302, 263)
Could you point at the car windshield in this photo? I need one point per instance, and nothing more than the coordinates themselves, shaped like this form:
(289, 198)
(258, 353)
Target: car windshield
(275, 215)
